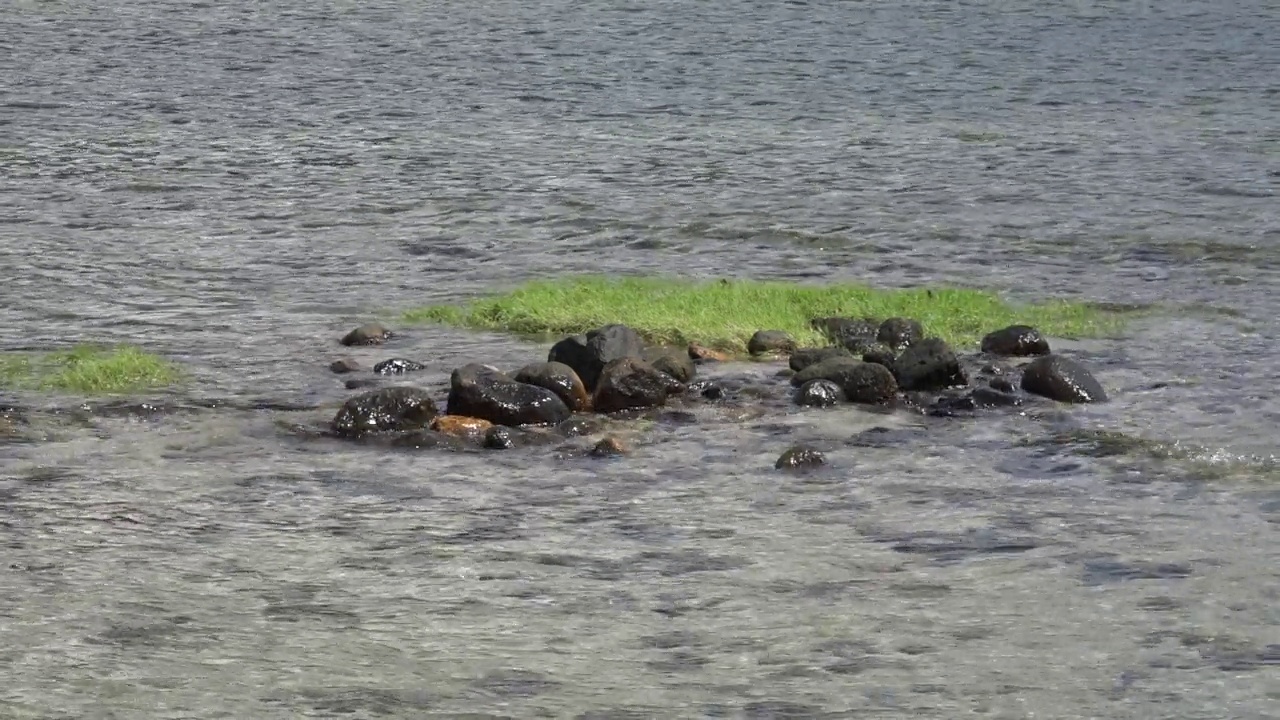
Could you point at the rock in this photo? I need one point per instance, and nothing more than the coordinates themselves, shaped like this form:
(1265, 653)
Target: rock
(1062, 379)
(499, 438)
(368, 334)
(803, 358)
(843, 330)
(708, 389)
(460, 426)
(425, 439)
(706, 354)
(343, 365)
(898, 333)
(580, 425)
(559, 379)
(764, 341)
(880, 354)
(358, 383)
(800, 457)
(610, 447)
(824, 369)
(630, 382)
(588, 354)
(992, 397)
(1001, 384)
(861, 382)
(482, 392)
(928, 365)
(1015, 340)
(672, 362)
(385, 410)
(397, 366)
(819, 393)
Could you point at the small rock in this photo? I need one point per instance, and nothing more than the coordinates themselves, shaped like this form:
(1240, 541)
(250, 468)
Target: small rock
(819, 393)
(800, 457)
(559, 379)
(672, 362)
(898, 333)
(397, 366)
(628, 383)
(610, 447)
(880, 354)
(708, 389)
(388, 409)
(499, 437)
(1062, 379)
(764, 341)
(368, 334)
(588, 354)
(482, 392)
(706, 354)
(824, 369)
(842, 330)
(460, 426)
(861, 382)
(358, 383)
(580, 425)
(343, 365)
(803, 358)
(928, 365)
(1015, 340)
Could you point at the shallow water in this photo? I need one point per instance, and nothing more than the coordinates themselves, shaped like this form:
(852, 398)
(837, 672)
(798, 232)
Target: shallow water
(238, 185)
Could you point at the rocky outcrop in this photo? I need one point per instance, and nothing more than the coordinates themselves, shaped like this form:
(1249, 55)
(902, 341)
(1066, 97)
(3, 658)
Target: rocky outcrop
(629, 383)
(1062, 379)
(928, 365)
(385, 410)
(559, 379)
(588, 354)
(1015, 340)
(482, 392)
(368, 334)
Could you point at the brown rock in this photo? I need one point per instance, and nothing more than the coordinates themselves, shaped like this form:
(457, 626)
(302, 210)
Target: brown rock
(367, 334)
(610, 447)
(702, 352)
(460, 426)
(344, 365)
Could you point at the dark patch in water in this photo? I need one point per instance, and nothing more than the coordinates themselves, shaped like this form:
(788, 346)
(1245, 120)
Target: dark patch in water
(514, 684)
(1102, 571)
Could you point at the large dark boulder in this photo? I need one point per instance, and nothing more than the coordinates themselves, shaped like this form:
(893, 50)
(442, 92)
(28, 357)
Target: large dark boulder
(559, 379)
(673, 362)
(819, 393)
(929, 365)
(588, 354)
(898, 333)
(803, 358)
(482, 392)
(766, 341)
(1062, 379)
(628, 383)
(367, 334)
(860, 382)
(1015, 340)
(385, 410)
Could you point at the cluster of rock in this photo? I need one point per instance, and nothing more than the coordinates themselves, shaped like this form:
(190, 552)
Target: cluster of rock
(610, 370)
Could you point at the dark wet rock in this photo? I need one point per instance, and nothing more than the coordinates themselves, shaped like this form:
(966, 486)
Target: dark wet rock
(628, 383)
(707, 389)
(482, 392)
(819, 393)
(580, 425)
(992, 397)
(397, 366)
(1002, 384)
(765, 341)
(388, 409)
(675, 418)
(1062, 379)
(559, 379)
(1015, 340)
(358, 383)
(343, 365)
(785, 373)
(880, 354)
(610, 447)
(588, 354)
(898, 333)
(800, 457)
(424, 440)
(368, 334)
(461, 427)
(861, 382)
(499, 437)
(672, 362)
(804, 357)
(952, 404)
(843, 330)
(706, 354)
(928, 365)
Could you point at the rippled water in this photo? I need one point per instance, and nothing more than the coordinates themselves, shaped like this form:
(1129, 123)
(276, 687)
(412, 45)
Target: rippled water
(237, 184)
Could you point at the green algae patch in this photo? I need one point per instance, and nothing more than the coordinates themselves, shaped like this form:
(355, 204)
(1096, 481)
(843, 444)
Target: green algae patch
(89, 370)
(724, 314)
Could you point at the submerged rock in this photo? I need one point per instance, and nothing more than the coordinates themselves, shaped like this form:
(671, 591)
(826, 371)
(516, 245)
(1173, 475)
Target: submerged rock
(800, 457)
(672, 362)
(804, 357)
(707, 389)
(898, 333)
(588, 354)
(929, 365)
(765, 341)
(358, 383)
(423, 440)
(482, 392)
(559, 379)
(499, 437)
(385, 410)
(343, 365)
(628, 383)
(1015, 340)
(819, 393)
(610, 447)
(367, 334)
(397, 366)
(1062, 379)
